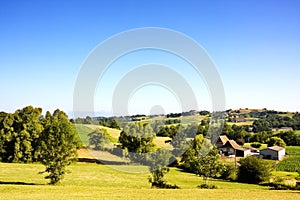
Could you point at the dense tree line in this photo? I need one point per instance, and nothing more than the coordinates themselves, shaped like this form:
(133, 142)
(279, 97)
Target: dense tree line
(28, 136)
(276, 121)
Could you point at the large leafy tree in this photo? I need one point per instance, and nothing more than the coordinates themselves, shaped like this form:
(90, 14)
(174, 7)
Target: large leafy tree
(57, 145)
(276, 141)
(98, 139)
(137, 139)
(19, 133)
(202, 158)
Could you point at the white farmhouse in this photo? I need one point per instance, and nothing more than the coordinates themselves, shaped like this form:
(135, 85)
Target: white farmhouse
(273, 153)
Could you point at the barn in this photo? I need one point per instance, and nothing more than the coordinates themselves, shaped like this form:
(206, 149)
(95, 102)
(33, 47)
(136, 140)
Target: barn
(273, 153)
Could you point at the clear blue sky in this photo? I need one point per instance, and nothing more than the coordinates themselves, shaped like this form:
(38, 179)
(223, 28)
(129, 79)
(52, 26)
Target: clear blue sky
(254, 44)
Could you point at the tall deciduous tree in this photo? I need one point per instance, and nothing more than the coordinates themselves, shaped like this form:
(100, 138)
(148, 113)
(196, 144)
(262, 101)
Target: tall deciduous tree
(19, 133)
(57, 145)
(202, 159)
(98, 139)
(137, 139)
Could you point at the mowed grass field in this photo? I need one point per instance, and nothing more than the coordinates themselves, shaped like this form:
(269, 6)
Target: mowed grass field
(93, 181)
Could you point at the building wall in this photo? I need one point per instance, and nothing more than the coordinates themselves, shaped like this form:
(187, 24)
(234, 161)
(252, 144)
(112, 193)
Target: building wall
(274, 155)
(281, 154)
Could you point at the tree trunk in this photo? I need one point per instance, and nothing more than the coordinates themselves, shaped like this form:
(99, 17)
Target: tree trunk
(206, 180)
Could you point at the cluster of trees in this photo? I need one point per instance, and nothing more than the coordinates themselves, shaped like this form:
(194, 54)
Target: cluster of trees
(190, 130)
(173, 121)
(276, 121)
(28, 136)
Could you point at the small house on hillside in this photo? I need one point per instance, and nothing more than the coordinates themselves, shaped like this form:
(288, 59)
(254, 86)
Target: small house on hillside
(273, 153)
(231, 148)
(222, 141)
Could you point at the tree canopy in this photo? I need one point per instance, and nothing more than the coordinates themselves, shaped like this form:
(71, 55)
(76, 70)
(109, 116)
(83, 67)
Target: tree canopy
(253, 170)
(137, 139)
(57, 145)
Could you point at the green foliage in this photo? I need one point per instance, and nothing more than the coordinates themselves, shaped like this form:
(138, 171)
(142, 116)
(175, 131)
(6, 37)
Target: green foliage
(137, 139)
(86, 120)
(228, 172)
(168, 131)
(276, 141)
(194, 129)
(57, 145)
(157, 126)
(98, 139)
(253, 170)
(114, 124)
(204, 112)
(179, 143)
(202, 159)
(289, 137)
(255, 144)
(158, 161)
(261, 137)
(208, 165)
(189, 158)
(18, 135)
(261, 125)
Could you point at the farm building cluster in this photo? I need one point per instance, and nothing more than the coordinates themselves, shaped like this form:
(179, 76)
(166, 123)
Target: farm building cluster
(230, 148)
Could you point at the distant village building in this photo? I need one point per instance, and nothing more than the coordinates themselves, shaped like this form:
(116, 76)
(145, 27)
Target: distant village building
(273, 153)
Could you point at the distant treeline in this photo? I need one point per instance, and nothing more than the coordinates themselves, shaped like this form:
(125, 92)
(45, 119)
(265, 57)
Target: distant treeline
(271, 121)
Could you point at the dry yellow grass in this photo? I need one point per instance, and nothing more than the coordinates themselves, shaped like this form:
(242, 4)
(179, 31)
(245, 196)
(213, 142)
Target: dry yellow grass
(112, 132)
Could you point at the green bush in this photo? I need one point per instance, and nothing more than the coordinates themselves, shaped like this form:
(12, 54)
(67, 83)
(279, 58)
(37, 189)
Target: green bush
(228, 172)
(253, 170)
(255, 144)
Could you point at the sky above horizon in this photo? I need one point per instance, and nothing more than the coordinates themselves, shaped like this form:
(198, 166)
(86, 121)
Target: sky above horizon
(255, 46)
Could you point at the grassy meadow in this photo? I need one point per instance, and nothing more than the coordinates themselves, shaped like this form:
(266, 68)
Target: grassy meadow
(97, 181)
(94, 181)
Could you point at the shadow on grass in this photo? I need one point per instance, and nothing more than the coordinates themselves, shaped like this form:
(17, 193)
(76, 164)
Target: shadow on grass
(17, 183)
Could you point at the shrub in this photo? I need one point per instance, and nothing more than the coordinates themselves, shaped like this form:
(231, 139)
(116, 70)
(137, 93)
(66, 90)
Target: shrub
(253, 170)
(255, 144)
(228, 172)
(276, 141)
(163, 184)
